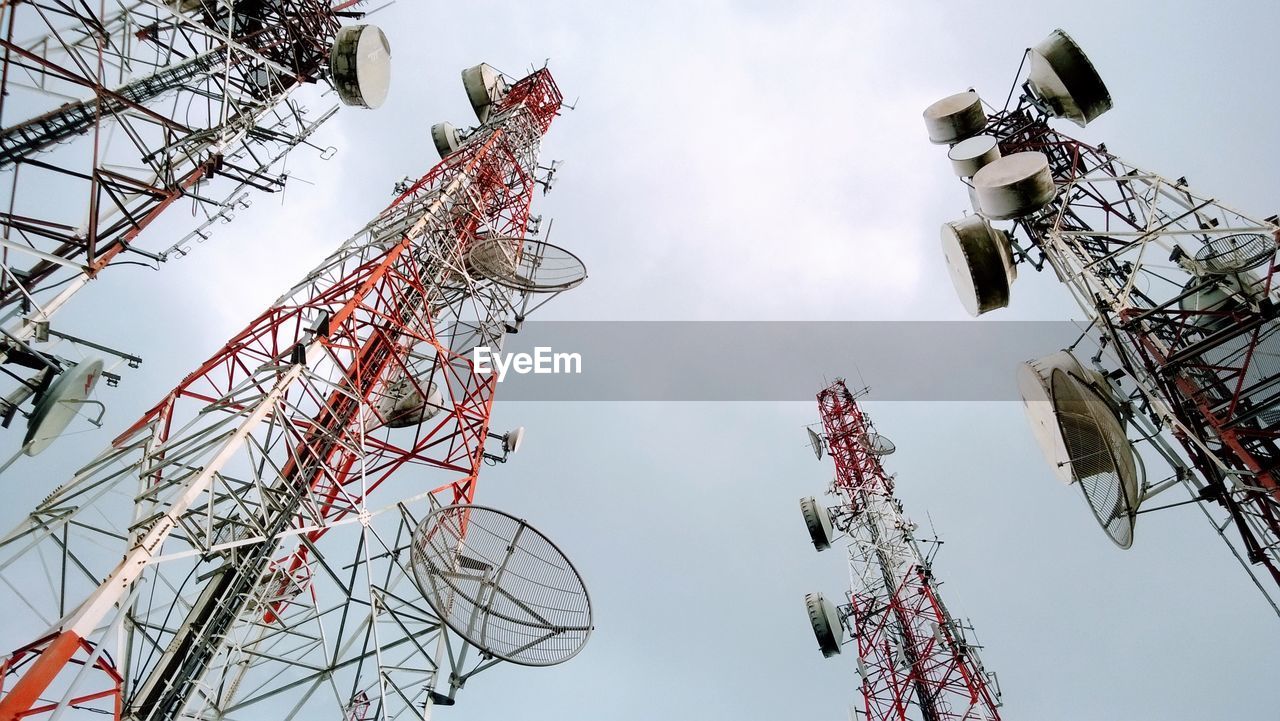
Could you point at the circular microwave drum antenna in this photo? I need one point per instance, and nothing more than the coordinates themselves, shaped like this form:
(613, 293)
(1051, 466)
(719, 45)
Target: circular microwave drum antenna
(485, 87)
(501, 585)
(513, 439)
(818, 520)
(971, 154)
(1100, 458)
(1236, 253)
(1064, 79)
(529, 265)
(445, 137)
(954, 118)
(878, 445)
(815, 442)
(360, 65)
(980, 262)
(1014, 185)
(826, 623)
(1211, 300)
(407, 402)
(59, 404)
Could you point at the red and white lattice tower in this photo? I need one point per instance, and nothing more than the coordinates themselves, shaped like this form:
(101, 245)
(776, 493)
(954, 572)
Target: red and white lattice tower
(116, 112)
(1180, 288)
(915, 660)
(225, 556)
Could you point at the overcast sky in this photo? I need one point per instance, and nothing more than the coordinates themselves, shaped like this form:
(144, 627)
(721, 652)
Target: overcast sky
(756, 161)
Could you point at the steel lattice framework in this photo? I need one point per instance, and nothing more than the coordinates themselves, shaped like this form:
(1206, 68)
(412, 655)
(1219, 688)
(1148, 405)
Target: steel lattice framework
(114, 112)
(915, 660)
(257, 578)
(1125, 241)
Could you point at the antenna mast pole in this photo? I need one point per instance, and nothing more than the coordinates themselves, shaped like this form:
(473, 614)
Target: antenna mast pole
(915, 659)
(254, 571)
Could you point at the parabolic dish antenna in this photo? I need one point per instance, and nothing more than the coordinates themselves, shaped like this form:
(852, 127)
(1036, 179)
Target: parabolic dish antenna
(360, 65)
(1075, 422)
(485, 87)
(826, 623)
(501, 585)
(1064, 79)
(980, 263)
(815, 442)
(1211, 300)
(1236, 253)
(406, 402)
(445, 137)
(529, 265)
(878, 445)
(954, 118)
(59, 404)
(513, 439)
(971, 154)
(818, 520)
(1014, 186)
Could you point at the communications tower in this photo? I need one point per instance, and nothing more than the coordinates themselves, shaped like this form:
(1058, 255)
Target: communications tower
(116, 112)
(1179, 289)
(288, 532)
(915, 660)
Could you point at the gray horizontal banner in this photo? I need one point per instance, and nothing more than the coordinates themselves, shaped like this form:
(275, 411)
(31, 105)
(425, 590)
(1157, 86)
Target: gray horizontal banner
(770, 361)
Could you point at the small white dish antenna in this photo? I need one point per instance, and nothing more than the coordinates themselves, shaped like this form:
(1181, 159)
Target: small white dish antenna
(818, 520)
(59, 404)
(485, 87)
(528, 265)
(1064, 79)
(972, 154)
(955, 118)
(408, 402)
(501, 585)
(1014, 185)
(1210, 301)
(815, 442)
(445, 137)
(878, 445)
(360, 66)
(512, 440)
(980, 263)
(826, 623)
(1073, 416)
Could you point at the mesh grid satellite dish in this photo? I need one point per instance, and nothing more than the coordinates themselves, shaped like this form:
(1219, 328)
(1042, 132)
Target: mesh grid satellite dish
(826, 623)
(818, 520)
(815, 442)
(501, 585)
(1034, 385)
(980, 263)
(485, 87)
(1065, 80)
(1236, 253)
(59, 404)
(878, 445)
(529, 265)
(445, 138)
(360, 65)
(1101, 459)
(955, 118)
(1014, 185)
